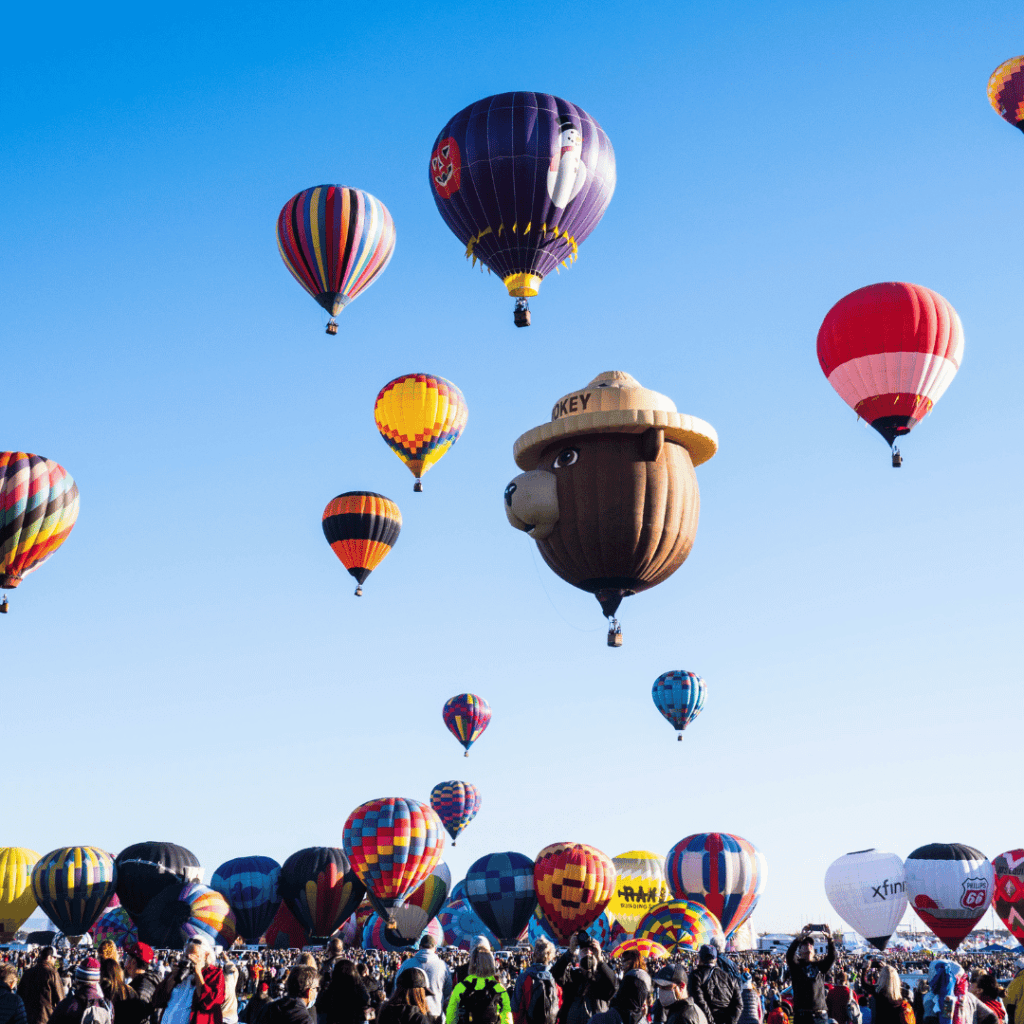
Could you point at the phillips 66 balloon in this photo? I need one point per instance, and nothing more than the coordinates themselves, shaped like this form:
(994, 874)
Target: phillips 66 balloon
(890, 351)
(393, 843)
(456, 804)
(725, 873)
(868, 890)
(466, 716)
(1009, 899)
(574, 883)
(949, 885)
(522, 179)
(335, 241)
(679, 696)
(1006, 91)
(361, 527)
(421, 417)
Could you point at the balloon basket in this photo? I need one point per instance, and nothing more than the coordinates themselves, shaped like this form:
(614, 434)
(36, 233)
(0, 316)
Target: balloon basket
(4, 605)
(897, 459)
(332, 326)
(614, 634)
(359, 591)
(466, 754)
(521, 314)
(680, 737)
(418, 486)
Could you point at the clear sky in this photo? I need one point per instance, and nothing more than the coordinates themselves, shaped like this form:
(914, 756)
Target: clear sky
(192, 665)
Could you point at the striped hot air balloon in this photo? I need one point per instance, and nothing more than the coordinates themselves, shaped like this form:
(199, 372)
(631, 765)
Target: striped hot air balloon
(417, 910)
(456, 803)
(1006, 91)
(681, 926)
(73, 885)
(648, 947)
(321, 890)
(890, 351)
(336, 241)
(38, 508)
(466, 715)
(574, 883)
(250, 885)
(361, 527)
(420, 416)
(17, 900)
(182, 913)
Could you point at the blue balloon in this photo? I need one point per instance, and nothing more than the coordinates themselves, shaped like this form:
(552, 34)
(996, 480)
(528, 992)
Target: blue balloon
(600, 929)
(462, 925)
(250, 886)
(500, 889)
(679, 696)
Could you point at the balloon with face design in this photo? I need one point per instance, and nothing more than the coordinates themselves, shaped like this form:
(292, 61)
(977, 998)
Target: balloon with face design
(610, 494)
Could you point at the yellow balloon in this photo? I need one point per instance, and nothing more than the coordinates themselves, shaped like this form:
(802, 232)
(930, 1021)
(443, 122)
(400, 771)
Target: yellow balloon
(639, 887)
(421, 417)
(16, 899)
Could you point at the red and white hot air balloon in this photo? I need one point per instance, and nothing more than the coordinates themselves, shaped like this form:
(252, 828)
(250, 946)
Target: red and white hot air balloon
(890, 351)
(950, 886)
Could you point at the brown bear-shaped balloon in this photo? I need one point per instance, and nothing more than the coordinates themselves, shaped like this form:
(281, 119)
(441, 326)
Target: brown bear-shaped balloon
(609, 493)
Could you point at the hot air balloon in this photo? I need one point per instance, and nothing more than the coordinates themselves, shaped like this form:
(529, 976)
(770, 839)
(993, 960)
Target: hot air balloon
(250, 885)
(416, 911)
(73, 886)
(639, 885)
(394, 844)
(1006, 91)
(16, 898)
(679, 696)
(868, 890)
(361, 527)
(456, 804)
(890, 351)
(38, 508)
(522, 179)
(421, 417)
(722, 872)
(500, 888)
(335, 241)
(950, 886)
(145, 869)
(648, 947)
(114, 924)
(574, 883)
(466, 716)
(1008, 869)
(610, 494)
(377, 935)
(178, 914)
(284, 931)
(461, 925)
(681, 926)
(320, 889)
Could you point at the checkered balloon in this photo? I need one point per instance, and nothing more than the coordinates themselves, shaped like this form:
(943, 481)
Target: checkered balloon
(500, 889)
(574, 883)
(393, 844)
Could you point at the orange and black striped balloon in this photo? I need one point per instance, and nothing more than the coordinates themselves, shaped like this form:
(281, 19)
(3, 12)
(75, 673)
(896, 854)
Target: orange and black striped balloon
(361, 527)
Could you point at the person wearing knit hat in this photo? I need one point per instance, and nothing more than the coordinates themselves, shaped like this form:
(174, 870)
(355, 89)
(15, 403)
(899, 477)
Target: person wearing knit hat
(86, 995)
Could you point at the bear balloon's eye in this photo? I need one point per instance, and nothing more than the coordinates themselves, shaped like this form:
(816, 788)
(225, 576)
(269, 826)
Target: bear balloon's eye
(566, 458)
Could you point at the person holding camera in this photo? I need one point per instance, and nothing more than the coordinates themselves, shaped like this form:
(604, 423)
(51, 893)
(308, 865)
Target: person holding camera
(587, 987)
(807, 975)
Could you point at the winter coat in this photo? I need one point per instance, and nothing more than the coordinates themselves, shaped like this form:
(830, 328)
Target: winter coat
(750, 1007)
(523, 991)
(41, 990)
(582, 997)
(716, 992)
(439, 978)
(403, 1013)
(12, 1009)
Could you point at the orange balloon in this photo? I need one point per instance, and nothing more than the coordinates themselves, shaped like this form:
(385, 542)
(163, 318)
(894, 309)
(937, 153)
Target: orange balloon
(574, 884)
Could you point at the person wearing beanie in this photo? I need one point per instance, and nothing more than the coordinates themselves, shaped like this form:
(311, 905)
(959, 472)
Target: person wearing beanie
(481, 998)
(12, 1009)
(40, 987)
(194, 992)
(439, 977)
(714, 990)
(85, 994)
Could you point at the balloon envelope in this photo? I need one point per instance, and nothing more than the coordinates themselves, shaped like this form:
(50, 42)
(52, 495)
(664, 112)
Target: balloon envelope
(177, 915)
(335, 241)
(114, 924)
(17, 900)
(950, 886)
(284, 931)
(466, 715)
(38, 508)
(681, 926)
(724, 873)
(462, 925)
(320, 889)
(420, 416)
(574, 883)
(361, 527)
(73, 886)
(250, 885)
(412, 916)
(377, 935)
(393, 843)
(456, 804)
(868, 890)
(521, 179)
(1006, 91)
(144, 870)
(679, 696)
(500, 888)
(1008, 869)
(639, 886)
(648, 947)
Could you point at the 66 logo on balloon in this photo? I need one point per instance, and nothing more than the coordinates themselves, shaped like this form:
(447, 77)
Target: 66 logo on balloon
(975, 893)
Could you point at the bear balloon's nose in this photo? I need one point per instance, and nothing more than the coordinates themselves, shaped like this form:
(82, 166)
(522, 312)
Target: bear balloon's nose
(531, 503)
(509, 491)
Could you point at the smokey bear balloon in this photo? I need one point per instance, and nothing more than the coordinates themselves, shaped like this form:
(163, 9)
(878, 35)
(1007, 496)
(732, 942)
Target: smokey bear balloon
(610, 494)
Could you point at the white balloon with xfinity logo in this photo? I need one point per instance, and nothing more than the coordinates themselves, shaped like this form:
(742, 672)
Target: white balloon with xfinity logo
(868, 890)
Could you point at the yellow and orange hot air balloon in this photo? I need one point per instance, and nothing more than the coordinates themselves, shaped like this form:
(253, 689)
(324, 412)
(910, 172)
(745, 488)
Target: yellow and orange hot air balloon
(1006, 91)
(574, 883)
(17, 901)
(420, 416)
(361, 527)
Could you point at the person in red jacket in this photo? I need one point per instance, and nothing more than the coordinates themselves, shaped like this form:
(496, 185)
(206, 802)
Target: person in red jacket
(194, 993)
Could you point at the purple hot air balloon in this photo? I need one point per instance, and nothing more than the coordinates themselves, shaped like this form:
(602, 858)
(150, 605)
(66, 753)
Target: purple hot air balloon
(522, 179)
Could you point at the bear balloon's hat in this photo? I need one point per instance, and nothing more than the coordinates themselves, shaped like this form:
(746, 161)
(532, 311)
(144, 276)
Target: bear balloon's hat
(615, 403)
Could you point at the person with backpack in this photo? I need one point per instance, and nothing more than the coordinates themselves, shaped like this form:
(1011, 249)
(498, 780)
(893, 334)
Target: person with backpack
(481, 998)
(85, 1004)
(714, 990)
(537, 997)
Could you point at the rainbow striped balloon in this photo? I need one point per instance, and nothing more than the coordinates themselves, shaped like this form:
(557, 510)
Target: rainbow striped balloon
(681, 926)
(73, 885)
(335, 241)
(38, 508)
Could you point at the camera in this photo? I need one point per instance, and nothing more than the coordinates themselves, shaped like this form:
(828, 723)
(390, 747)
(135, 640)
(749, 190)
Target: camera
(582, 937)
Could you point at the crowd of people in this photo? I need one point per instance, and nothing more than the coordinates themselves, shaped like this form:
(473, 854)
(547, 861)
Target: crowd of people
(540, 985)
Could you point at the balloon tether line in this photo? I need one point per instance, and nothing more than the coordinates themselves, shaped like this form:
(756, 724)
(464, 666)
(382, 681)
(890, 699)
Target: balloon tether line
(558, 611)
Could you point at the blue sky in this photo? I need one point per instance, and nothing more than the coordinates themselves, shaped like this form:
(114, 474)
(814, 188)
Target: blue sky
(859, 628)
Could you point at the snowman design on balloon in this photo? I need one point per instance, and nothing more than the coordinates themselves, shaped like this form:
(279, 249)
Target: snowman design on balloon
(566, 172)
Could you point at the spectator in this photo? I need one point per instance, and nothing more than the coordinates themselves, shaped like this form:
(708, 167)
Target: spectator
(716, 992)
(807, 976)
(535, 1007)
(194, 993)
(588, 987)
(40, 987)
(481, 998)
(346, 1000)
(85, 994)
(672, 984)
(409, 1002)
(12, 1009)
(439, 977)
(299, 995)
